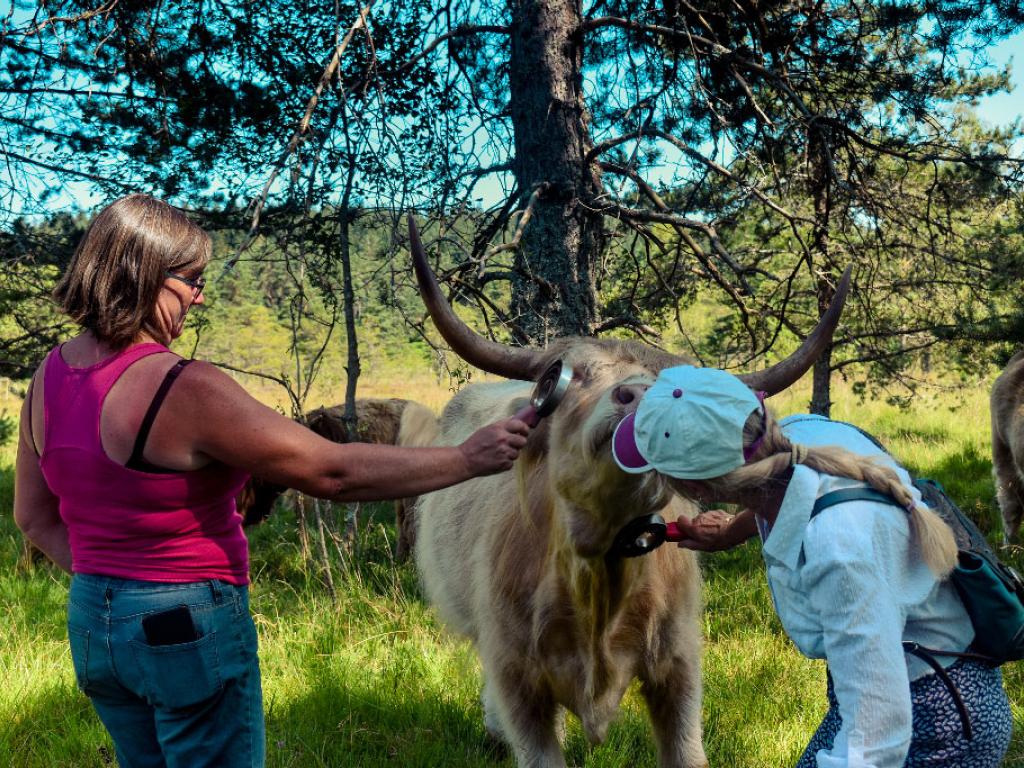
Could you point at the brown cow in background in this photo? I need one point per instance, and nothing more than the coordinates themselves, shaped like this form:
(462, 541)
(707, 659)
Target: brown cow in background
(1007, 408)
(522, 562)
(390, 421)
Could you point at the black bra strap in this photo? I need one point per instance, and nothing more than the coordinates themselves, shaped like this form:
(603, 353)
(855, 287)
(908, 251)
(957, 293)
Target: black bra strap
(154, 407)
(31, 410)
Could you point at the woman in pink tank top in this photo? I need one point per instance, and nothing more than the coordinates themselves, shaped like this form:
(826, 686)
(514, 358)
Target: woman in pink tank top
(129, 460)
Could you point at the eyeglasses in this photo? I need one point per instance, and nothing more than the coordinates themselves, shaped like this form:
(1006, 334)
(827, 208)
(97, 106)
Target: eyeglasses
(195, 283)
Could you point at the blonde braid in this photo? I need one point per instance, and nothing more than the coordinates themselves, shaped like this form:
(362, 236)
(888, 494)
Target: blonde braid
(797, 454)
(777, 455)
(934, 539)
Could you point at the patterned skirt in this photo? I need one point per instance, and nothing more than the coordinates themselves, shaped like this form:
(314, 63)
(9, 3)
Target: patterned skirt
(938, 739)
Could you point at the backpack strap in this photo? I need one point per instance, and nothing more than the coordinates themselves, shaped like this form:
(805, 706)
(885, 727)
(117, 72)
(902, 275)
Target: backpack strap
(28, 396)
(844, 495)
(927, 655)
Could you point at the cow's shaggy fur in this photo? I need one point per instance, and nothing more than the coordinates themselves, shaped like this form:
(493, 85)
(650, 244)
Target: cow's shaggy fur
(388, 421)
(1007, 409)
(518, 562)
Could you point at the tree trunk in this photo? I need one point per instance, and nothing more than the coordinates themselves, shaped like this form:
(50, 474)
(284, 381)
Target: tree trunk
(821, 393)
(821, 187)
(352, 367)
(554, 287)
(345, 220)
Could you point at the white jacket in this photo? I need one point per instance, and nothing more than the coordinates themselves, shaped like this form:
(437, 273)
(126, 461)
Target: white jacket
(847, 589)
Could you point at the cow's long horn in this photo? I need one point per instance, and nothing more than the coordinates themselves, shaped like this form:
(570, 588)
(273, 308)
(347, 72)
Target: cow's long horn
(784, 373)
(507, 361)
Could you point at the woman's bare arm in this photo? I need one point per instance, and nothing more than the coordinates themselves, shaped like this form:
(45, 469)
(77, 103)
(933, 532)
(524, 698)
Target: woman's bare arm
(230, 426)
(36, 510)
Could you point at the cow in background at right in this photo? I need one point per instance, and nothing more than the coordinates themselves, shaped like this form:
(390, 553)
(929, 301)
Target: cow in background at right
(1007, 405)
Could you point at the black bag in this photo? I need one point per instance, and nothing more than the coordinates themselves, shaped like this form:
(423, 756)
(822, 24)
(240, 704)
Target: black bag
(991, 591)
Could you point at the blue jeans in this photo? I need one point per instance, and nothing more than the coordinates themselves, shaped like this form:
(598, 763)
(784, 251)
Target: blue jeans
(188, 704)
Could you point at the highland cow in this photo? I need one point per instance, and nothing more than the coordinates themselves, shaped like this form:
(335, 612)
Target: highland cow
(522, 562)
(1007, 411)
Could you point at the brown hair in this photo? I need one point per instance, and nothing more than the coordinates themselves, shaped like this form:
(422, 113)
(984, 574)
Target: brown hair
(777, 454)
(112, 283)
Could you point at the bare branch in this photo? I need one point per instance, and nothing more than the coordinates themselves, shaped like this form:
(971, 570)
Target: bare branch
(69, 171)
(753, 100)
(911, 156)
(292, 397)
(682, 224)
(725, 173)
(626, 322)
(88, 92)
(54, 20)
(524, 219)
(463, 30)
(256, 206)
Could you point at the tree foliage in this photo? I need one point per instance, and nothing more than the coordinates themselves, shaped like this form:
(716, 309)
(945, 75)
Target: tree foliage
(589, 167)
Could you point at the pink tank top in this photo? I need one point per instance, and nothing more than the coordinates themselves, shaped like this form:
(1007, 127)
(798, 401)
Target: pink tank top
(167, 527)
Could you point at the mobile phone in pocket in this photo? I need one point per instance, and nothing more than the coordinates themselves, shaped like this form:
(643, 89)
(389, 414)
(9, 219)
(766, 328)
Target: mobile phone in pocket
(170, 627)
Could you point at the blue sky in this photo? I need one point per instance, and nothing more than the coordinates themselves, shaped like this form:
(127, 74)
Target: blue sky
(1006, 107)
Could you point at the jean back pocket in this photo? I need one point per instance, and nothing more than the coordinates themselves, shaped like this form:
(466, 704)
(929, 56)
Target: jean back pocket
(179, 675)
(79, 641)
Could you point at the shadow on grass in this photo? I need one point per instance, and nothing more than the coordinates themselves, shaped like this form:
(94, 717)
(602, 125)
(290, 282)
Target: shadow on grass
(337, 725)
(340, 724)
(56, 729)
(403, 706)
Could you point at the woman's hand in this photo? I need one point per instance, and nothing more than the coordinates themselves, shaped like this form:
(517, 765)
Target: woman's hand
(494, 448)
(716, 530)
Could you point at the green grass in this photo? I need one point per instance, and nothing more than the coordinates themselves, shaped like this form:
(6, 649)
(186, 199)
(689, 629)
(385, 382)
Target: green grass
(372, 680)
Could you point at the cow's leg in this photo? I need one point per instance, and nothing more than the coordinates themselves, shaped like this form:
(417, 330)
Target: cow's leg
(673, 700)
(526, 719)
(1008, 484)
(492, 720)
(402, 548)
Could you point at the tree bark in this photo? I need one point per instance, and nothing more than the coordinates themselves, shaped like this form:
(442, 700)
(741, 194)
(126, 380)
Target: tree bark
(821, 187)
(352, 367)
(347, 215)
(554, 286)
(821, 392)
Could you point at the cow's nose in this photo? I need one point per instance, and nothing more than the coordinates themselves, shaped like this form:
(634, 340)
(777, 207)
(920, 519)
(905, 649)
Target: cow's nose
(628, 395)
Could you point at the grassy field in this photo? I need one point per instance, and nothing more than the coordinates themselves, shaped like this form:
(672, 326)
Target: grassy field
(372, 680)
